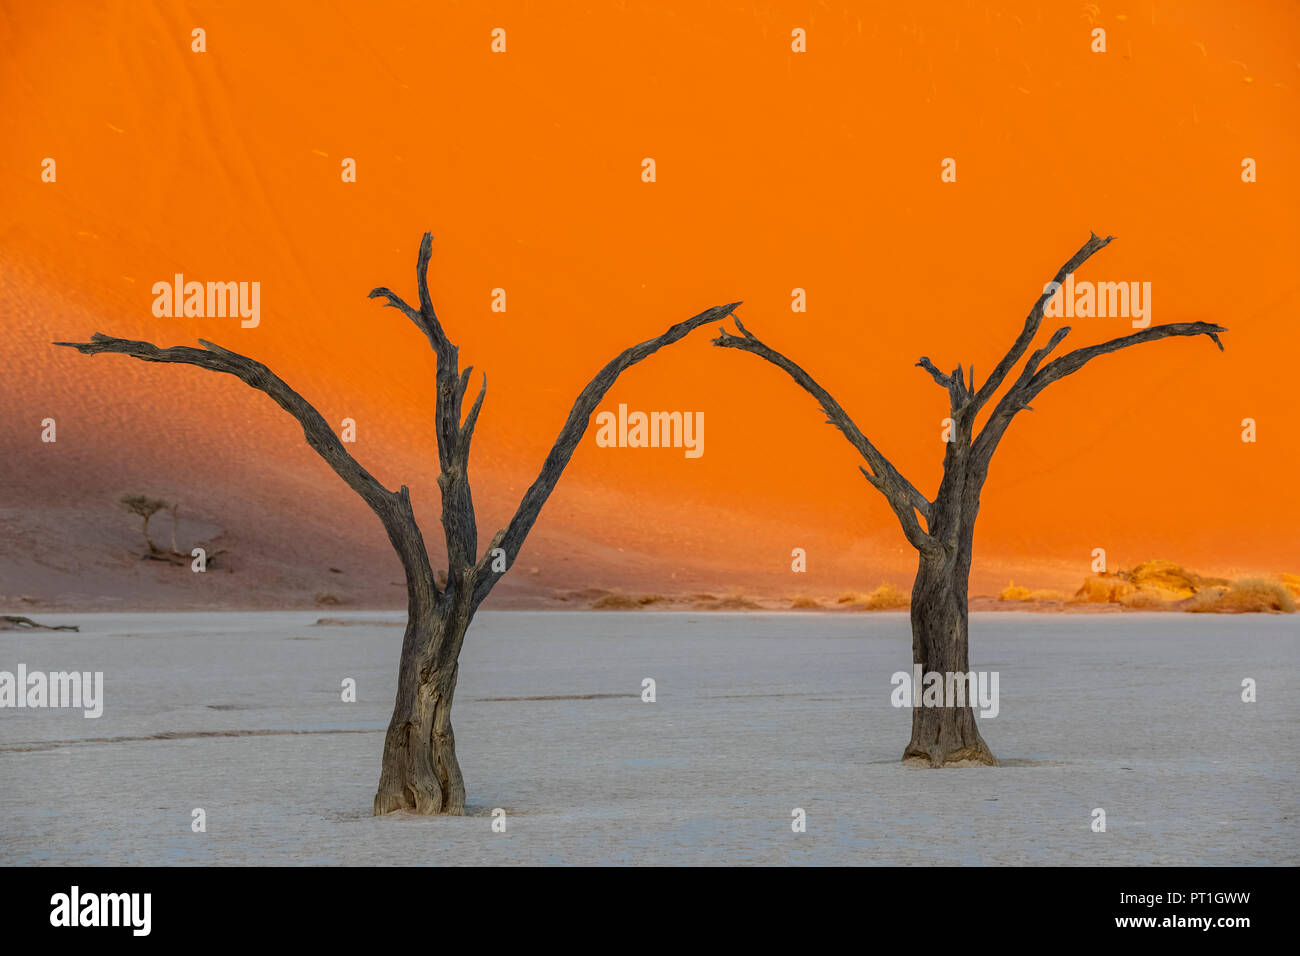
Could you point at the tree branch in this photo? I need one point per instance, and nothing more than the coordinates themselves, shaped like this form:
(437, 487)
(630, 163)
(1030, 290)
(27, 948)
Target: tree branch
(395, 301)
(511, 538)
(1034, 319)
(959, 392)
(1032, 380)
(425, 319)
(904, 499)
(458, 521)
(1071, 362)
(925, 363)
(393, 508)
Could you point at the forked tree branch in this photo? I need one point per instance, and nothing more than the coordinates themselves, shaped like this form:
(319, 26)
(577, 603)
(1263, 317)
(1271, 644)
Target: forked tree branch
(458, 517)
(425, 319)
(903, 497)
(1071, 362)
(959, 390)
(458, 520)
(1033, 380)
(453, 445)
(939, 377)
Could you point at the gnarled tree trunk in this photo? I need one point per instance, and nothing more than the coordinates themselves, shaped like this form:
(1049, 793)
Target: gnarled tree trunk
(420, 770)
(947, 734)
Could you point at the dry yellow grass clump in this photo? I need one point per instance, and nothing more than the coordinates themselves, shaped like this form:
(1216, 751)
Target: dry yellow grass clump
(1245, 596)
(804, 602)
(1171, 581)
(734, 600)
(884, 598)
(1143, 601)
(1157, 585)
(1102, 589)
(618, 601)
(1013, 592)
(1149, 585)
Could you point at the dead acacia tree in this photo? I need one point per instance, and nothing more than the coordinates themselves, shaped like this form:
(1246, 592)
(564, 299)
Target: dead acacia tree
(146, 508)
(947, 734)
(420, 769)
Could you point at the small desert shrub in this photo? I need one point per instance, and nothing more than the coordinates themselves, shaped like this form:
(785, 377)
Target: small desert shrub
(737, 600)
(1167, 576)
(887, 598)
(884, 598)
(1292, 583)
(615, 600)
(1013, 592)
(1142, 600)
(1245, 596)
(804, 601)
(1102, 589)
(618, 601)
(329, 600)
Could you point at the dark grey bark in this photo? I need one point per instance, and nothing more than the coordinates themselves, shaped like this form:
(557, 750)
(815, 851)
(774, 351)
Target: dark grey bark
(948, 735)
(420, 770)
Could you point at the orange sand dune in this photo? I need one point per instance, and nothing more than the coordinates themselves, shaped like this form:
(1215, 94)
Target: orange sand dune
(775, 171)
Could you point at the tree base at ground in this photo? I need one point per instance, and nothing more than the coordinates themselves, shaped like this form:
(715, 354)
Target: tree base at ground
(947, 737)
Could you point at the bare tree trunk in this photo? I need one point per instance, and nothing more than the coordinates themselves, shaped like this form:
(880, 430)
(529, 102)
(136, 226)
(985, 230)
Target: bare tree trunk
(420, 770)
(942, 736)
